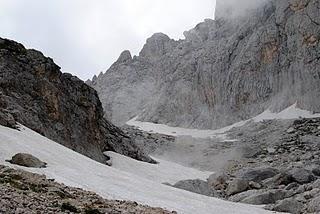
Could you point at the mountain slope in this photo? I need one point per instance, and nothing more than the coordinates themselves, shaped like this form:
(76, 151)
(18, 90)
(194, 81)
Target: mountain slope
(35, 93)
(20, 192)
(225, 71)
(73, 169)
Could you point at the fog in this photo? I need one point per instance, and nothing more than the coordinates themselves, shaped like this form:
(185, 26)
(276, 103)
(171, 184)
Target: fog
(234, 8)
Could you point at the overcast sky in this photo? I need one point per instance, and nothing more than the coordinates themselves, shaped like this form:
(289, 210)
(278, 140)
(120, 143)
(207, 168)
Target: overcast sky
(85, 37)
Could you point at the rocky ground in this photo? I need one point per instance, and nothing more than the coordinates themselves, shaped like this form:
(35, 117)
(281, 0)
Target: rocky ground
(151, 143)
(279, 166)
(273, 163)
(23, 193)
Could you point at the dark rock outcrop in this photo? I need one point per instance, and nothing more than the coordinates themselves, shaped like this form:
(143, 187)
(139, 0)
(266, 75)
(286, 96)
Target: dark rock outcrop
(35, 93)
(226, 70)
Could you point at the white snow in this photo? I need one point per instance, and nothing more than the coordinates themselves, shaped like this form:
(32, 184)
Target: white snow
(178, 131)
(71, 168)
(292, 112)
(164, 172)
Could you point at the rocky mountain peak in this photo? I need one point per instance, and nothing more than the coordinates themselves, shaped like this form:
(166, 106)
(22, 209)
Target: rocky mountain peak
(156, 46)
(124, 57)
(202, 32)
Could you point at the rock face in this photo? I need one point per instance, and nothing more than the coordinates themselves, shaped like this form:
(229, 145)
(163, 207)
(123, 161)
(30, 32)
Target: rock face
(27, 160)
(224, 71)
(35, 93)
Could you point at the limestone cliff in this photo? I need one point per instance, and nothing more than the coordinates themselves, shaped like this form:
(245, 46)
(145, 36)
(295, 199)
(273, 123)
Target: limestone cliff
(226, 70)
(35, 93)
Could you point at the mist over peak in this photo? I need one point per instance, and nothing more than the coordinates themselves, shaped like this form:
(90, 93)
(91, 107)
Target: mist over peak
(235, 8)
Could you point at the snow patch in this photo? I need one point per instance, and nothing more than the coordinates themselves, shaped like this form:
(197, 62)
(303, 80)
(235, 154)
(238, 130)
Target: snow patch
(71, 168)
(164, 172)
(292, 112)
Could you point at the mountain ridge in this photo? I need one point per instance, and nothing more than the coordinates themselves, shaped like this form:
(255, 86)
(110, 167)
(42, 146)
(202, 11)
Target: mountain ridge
(226, 70)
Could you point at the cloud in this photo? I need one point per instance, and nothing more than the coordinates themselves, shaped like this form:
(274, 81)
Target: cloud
(235, 8)
(85, 37)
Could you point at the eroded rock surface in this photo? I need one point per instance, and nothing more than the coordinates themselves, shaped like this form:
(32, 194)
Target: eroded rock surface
(226, 70)
(35, 93)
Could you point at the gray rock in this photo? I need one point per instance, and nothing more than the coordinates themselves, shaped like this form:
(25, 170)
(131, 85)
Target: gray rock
(27, 160)
(196, 186)
(250, 151)
(218, 181)
(316, 184)
(279, 179)
(6, 119)
(316, 170)
(237, 186)
(292, 186)
(255, 185)
(57, 105)
(267, 197)
(310, 139)
(291, 130)
(257, 175)
(302, 176)
(289, 205)
(314, 205)
(241, 196)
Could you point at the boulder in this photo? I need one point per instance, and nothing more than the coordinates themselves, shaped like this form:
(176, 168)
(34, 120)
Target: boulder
(237, 186)
(255, 185)
(289, 205)
(196, 186)
(301, 176)
(316, 170)
(218, 181)
(241, 196)
(267, 197)
(256, 175)
(279, 179)
(27, 160)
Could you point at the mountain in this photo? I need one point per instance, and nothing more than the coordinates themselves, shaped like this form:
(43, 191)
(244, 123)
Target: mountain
(35, 93)
(225, 70)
